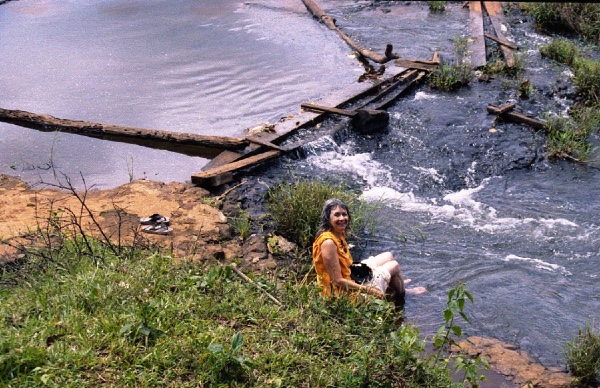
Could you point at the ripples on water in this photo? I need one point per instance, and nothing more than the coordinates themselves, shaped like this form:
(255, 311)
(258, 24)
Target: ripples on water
(205, 67)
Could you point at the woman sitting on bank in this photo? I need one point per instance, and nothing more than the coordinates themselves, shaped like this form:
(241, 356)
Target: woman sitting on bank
(332, 259)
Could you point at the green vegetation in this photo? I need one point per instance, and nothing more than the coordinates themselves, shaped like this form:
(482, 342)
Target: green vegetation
(450, 76)
(437, 6)
(581, 18)
(560, 50)
(583, 355)
(296, 208)
(145, 320)
(567, 139)
(587, 80)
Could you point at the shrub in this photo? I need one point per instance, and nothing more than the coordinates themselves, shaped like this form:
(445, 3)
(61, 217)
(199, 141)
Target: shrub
(449, 77)
(567, 139)
(560, 50)
(437, 6)
(296, 208)
(583, 355)
(587, 79)
(582, 18)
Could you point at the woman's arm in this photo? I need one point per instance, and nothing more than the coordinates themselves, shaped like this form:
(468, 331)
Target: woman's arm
(332, 266)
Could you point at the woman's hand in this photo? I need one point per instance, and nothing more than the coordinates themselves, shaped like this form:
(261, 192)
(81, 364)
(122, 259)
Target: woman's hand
(374, 291)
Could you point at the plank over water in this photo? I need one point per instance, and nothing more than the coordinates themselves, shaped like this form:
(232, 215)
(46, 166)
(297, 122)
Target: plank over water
(477, 43)
(494, 10)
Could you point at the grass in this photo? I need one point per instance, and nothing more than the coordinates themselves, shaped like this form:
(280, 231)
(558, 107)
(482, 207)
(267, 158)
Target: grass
(583, 355)
(568, 140)
(560, 50)
(449, 76)
(296, 209)
(581, 18)
(437, 6)
(146, 321)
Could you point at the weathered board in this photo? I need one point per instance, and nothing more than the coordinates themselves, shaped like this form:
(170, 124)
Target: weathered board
(44, 122)
(494, 10)
(505, 112)
(477, 42)
(204, 178)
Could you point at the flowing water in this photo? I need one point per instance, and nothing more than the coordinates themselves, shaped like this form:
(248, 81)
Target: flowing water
(466, 198)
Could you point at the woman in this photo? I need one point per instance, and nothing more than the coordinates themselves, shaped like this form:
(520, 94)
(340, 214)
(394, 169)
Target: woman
(332, 260)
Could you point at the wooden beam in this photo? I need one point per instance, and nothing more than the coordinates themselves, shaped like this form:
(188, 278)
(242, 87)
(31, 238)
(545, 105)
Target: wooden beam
(322, 16)
(205, 177)
(502, 42)
(516, 117)
(416, 64)
(268, 144)
(494, 10)
(477, 42)
(46, 123)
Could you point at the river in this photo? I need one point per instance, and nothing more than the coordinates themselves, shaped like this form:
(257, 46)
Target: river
(466, 198)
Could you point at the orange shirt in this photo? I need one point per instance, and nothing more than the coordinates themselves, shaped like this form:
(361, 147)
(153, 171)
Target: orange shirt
(323, 278)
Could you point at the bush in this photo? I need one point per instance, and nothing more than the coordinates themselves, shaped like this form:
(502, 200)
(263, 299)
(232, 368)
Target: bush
(582, 18)
(583, 355)
(560, 50)
(587, 79)
(296, 208)
(567, 139)
(449, 77)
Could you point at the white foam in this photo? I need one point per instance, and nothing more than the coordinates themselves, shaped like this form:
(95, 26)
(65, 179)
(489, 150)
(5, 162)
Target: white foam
(539, 264)
(424, 96)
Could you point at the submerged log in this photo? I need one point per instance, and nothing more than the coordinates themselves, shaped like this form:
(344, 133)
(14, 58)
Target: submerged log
(44, 122)
(320, 15)
(505, 112)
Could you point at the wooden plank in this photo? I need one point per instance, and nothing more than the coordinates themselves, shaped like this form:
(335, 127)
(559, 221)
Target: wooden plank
(257, 140)
(204, 177)
(342, 112)
(477, 42)
(494, 10)
(415, 64)
(44, 122)
(516, 117)
(502, 42)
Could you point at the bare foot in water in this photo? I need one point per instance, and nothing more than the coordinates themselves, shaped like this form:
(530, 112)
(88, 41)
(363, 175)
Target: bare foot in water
(416, 290)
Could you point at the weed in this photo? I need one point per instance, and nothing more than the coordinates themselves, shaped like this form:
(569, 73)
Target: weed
(447, 336)
(583, 355)
(560, 50)
(437, 6)
(449, 77)
(242, 224)
(567, 140)
(587, 80)
(582, 18)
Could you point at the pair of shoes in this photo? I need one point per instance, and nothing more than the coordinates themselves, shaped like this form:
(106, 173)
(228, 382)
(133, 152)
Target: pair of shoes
(154, 219)
(160, 228)
(156, 224)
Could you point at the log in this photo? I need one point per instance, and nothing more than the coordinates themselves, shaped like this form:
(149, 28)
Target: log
(494, 10)
(320, 15)
(44, 122)
(205, 178)
(268, 144)
(516, 117)
(477, 45)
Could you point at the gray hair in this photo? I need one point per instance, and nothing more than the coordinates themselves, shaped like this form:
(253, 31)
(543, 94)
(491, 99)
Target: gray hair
(329, 205)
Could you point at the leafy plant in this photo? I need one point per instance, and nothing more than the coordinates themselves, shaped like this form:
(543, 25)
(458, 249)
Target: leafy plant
(448, 334)
(583, 355)
(242, 224)
(437, 6)
(227, 365)
(586, 78)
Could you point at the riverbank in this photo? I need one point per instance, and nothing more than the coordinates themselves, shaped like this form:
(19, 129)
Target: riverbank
(200, 232)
